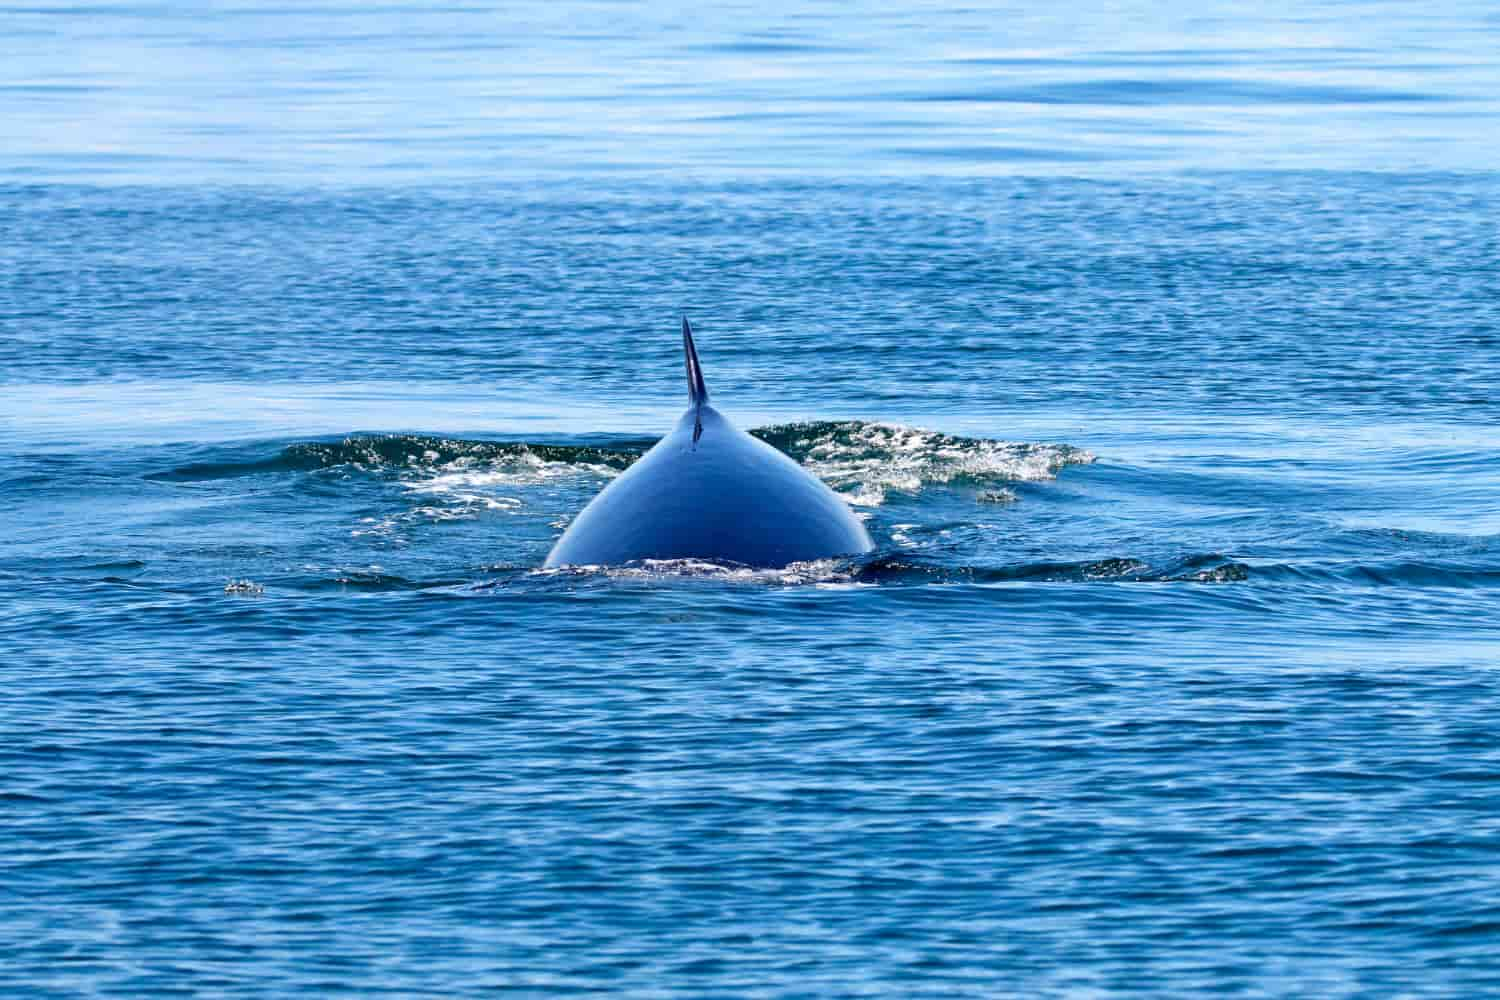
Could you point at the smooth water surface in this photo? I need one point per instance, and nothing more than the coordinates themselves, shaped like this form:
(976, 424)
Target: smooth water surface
(1159, 350)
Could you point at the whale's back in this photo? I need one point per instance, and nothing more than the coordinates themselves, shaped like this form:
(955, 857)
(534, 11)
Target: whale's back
(710, 491)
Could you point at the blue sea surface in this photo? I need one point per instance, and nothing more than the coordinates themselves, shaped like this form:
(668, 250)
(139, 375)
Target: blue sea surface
(1157, 346)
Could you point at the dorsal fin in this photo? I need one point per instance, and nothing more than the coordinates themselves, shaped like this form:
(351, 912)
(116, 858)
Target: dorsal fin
(697, 391)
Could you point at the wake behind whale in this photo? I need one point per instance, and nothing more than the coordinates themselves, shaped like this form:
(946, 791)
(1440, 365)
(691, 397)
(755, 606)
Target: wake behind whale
(710, 491)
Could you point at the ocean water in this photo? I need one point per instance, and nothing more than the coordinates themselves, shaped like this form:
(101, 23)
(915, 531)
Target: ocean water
(1159, 348)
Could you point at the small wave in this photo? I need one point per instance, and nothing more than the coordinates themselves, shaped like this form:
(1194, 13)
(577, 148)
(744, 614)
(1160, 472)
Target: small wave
(397, 452)
(1209, 568)
(1410, 544)
(1185, 92)
(392, 454)
(1386, 573)
(865, 460)
(901, 569)
(822, 571)
(372, 579)
(887, 569)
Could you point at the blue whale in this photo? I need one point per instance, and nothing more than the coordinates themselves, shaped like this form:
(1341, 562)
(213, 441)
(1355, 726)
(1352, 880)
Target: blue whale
(709, 491)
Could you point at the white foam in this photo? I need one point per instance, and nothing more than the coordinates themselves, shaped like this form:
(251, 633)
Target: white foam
(821, 571)
(865, 461)
(461, 489)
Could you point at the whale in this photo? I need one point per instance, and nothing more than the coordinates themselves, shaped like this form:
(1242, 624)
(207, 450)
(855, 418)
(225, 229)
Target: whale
(710, 492)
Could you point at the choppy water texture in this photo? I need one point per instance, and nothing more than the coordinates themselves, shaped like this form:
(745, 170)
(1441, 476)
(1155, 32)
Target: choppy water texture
(1160, 351)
